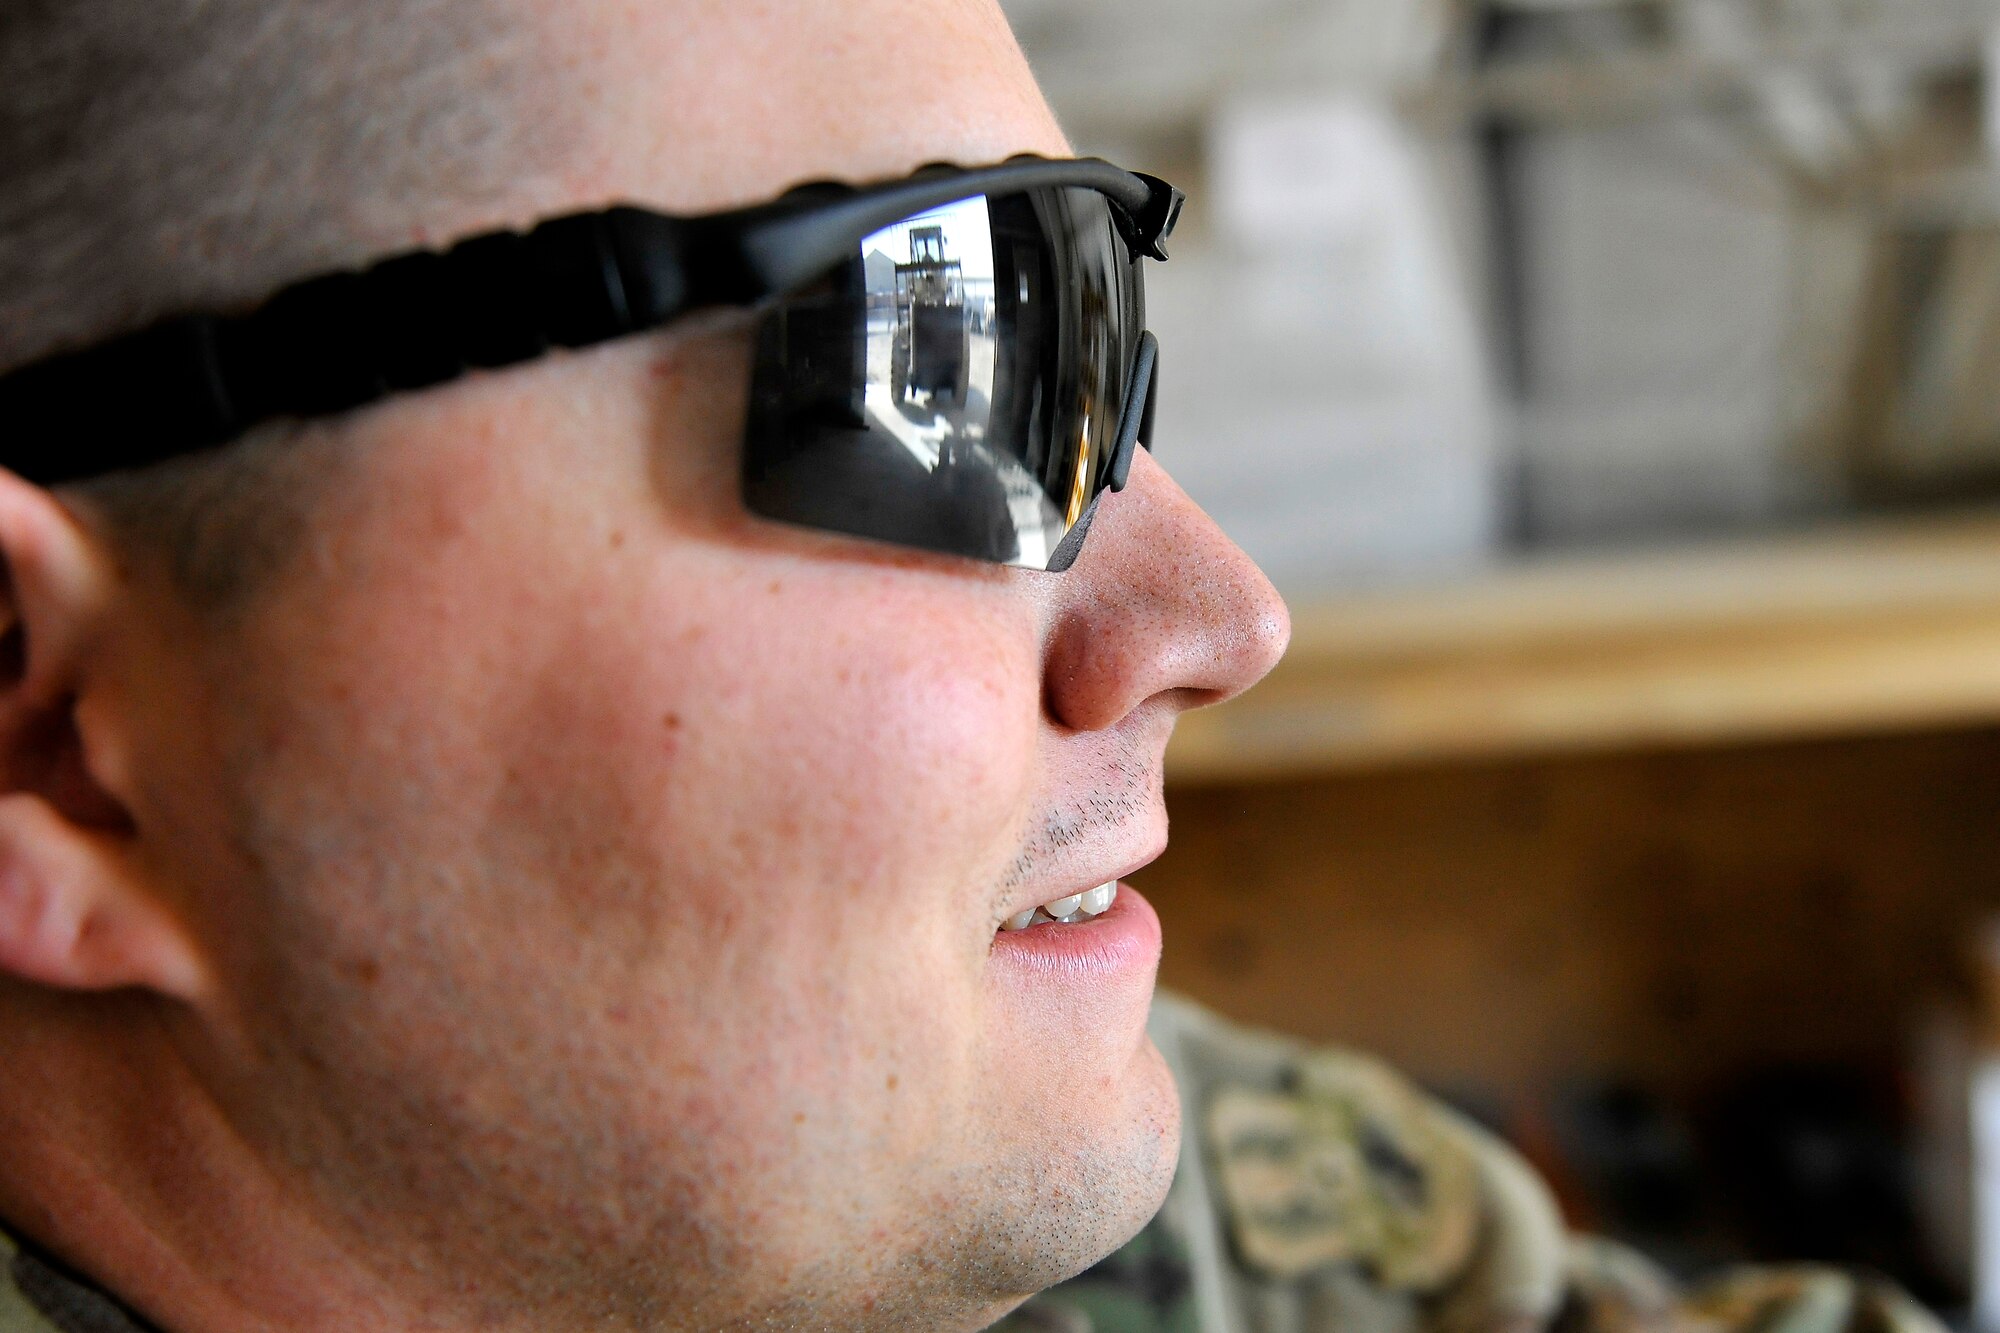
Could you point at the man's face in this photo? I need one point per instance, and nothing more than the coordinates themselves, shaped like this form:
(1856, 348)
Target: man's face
(604, 883)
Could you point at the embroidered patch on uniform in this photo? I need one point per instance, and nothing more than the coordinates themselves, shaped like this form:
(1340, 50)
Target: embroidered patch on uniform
(1349, 1164)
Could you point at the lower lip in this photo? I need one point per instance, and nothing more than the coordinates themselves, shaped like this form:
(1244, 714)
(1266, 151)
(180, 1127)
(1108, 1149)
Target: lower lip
(1124, 938)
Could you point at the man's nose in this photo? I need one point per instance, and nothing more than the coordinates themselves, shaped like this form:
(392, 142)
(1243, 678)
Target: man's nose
(1160, 603)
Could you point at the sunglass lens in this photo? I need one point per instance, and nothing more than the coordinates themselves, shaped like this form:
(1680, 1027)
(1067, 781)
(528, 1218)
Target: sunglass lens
(958, 385)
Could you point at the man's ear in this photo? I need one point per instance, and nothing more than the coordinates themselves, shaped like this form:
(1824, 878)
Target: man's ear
(75, 910)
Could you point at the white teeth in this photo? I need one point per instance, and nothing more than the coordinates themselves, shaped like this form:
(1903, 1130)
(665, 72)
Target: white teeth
(1067, 911)
(1062, 907)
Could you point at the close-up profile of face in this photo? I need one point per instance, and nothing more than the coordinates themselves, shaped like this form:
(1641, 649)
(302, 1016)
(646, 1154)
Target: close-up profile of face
(594, 883)
(602, 601)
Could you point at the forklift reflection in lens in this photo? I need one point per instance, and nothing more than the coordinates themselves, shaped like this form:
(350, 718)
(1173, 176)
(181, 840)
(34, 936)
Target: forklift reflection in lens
(933, 347)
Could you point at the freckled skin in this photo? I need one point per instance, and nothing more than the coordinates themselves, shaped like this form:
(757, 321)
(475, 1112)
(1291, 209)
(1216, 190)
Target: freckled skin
(602, 881)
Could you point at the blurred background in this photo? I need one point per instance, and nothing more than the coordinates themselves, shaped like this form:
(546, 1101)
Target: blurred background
(1613, 387)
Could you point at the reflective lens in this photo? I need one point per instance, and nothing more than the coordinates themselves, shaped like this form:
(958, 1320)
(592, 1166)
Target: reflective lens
(959, 385)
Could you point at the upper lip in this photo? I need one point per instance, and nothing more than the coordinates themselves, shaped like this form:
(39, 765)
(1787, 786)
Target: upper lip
(1030, 904)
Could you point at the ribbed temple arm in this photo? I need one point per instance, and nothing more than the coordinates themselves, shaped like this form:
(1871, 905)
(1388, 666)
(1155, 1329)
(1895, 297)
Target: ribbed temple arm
(337, 342)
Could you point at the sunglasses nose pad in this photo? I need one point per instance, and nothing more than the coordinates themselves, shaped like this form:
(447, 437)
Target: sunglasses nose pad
(1137, 426)
(1152, 401)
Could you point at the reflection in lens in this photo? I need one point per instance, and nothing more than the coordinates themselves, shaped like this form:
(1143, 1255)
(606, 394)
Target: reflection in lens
(956, 386)
(931, 358)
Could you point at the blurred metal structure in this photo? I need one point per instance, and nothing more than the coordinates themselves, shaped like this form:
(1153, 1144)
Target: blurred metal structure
(1812, 69)
(1118, 68)
(1824, 78)
(1485, 293)
(1731, 262)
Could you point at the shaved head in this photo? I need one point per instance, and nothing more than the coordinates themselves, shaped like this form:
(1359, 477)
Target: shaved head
(186, 154)
(197, 154)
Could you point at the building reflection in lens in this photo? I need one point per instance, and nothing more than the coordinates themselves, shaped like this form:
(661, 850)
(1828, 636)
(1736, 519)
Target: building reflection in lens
(946, 388)
(931, 363)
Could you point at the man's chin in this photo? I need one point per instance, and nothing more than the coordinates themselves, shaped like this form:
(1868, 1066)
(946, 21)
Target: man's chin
(1014, 1224)
(1092, 1189)
(1137, 1187)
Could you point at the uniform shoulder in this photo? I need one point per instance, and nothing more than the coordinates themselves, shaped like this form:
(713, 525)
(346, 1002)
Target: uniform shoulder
(1320, 1189)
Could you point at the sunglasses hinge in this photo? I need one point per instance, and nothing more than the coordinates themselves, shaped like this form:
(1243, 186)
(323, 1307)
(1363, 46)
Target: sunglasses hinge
(1155, 220)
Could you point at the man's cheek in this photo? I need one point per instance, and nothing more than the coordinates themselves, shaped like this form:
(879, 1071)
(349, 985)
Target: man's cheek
(874, 743)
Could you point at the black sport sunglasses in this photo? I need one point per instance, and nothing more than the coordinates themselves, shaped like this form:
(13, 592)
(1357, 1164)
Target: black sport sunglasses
(956, 361)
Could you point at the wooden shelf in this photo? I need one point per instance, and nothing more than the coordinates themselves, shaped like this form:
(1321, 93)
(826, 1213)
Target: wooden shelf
(1865, 627)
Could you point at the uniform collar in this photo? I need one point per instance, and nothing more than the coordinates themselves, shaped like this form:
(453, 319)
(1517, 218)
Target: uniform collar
(41, 1294)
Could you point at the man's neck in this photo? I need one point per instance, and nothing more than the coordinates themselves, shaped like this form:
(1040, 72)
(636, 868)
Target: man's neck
(121, 1178)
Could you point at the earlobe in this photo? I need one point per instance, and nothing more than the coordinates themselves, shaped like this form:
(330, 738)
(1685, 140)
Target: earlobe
(69, 918)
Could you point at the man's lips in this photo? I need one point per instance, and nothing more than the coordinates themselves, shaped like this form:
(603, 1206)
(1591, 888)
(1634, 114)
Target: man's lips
(1124, 937)
(1089, 899)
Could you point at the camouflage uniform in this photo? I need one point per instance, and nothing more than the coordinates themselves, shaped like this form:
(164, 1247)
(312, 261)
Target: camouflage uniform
(1320, 1192)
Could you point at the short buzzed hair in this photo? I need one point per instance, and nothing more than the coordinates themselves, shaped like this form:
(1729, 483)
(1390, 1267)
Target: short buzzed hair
(163, 156)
